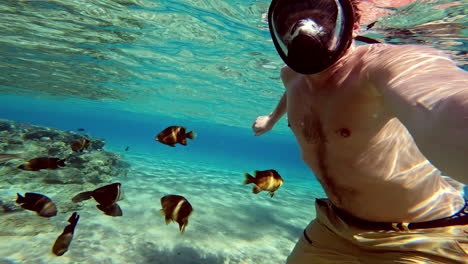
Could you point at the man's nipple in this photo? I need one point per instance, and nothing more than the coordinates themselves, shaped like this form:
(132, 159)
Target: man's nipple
(344, 132)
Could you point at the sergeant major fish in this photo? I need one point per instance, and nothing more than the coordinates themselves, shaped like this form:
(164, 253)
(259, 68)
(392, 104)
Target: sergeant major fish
(177, 209)
(106, 196)
(63, 240)
(38, 203)
(267, 180)
(43, 163)
(173, 135)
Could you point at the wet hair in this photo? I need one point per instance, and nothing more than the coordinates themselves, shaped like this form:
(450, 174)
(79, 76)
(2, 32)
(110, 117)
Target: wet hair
(357, 13)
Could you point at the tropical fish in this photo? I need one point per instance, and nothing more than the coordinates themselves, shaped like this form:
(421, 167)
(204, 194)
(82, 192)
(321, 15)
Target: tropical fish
(126, 149)
(175, 134)
(267, 180)
(6, 157)
(81, 129)
(177, 209)
(39, 203)
(63, 241)
(80, 145)
(106, 196)
(43, 163)
(112, 210)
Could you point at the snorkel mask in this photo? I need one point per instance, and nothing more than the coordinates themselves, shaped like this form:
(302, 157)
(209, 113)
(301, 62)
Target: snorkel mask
(311, 35)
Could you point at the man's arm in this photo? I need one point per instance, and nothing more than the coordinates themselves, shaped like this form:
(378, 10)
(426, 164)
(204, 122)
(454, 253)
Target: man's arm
(264, 124)
(428, 93)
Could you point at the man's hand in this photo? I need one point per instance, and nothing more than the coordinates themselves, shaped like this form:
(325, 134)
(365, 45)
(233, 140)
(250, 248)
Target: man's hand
(262, 125)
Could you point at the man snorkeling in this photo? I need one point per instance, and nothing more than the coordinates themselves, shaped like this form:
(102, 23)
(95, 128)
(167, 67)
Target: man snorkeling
(380, 126)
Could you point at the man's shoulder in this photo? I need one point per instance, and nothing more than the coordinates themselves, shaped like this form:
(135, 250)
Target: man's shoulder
(388, 50)
(386, 60)
(287, 74)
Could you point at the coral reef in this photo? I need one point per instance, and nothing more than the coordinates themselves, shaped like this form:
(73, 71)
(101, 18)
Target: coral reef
(94, 166)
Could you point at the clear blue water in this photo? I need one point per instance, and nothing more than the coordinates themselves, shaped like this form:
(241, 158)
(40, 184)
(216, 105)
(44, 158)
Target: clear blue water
(227, 146)
(126, 69)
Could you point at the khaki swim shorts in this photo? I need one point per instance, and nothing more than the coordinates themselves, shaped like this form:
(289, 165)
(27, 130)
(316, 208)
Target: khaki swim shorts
(330, 239)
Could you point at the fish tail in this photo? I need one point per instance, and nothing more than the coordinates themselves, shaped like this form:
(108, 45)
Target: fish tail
(190, 135)
(82, 196)
(73, 220)
(20, 198)
(271, 194)
(248, 179)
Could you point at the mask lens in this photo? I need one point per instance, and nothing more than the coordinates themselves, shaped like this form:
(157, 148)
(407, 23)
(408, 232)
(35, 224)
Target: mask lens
(310, 35)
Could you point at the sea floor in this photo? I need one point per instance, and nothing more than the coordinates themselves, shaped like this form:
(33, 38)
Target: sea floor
(230, 224)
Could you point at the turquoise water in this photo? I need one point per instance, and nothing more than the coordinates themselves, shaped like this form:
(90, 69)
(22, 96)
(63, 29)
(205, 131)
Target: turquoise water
(126, 69)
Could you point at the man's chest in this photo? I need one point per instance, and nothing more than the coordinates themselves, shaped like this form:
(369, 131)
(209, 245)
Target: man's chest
(330, 112)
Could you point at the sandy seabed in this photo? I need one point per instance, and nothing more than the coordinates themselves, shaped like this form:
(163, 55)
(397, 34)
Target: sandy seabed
(230, 224)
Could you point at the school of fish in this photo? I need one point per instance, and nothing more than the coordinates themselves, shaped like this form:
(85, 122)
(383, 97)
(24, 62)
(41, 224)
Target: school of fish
(174, 208)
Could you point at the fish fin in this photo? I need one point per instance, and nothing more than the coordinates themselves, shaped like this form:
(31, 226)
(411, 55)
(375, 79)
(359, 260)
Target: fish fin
(183, 141)
(271, 194)
(168, 219)
(190, 135)
(256, 189)
(101, 207)
(20, 199)
(82, 196)
(112, 210)
(248, 179)
(25, 166)
(182, 226)
(366, 39)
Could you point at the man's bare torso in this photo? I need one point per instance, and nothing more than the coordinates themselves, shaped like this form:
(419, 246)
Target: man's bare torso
(363, 156)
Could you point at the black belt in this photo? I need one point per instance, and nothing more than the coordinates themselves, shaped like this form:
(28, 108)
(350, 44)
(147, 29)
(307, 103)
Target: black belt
(460, 218)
